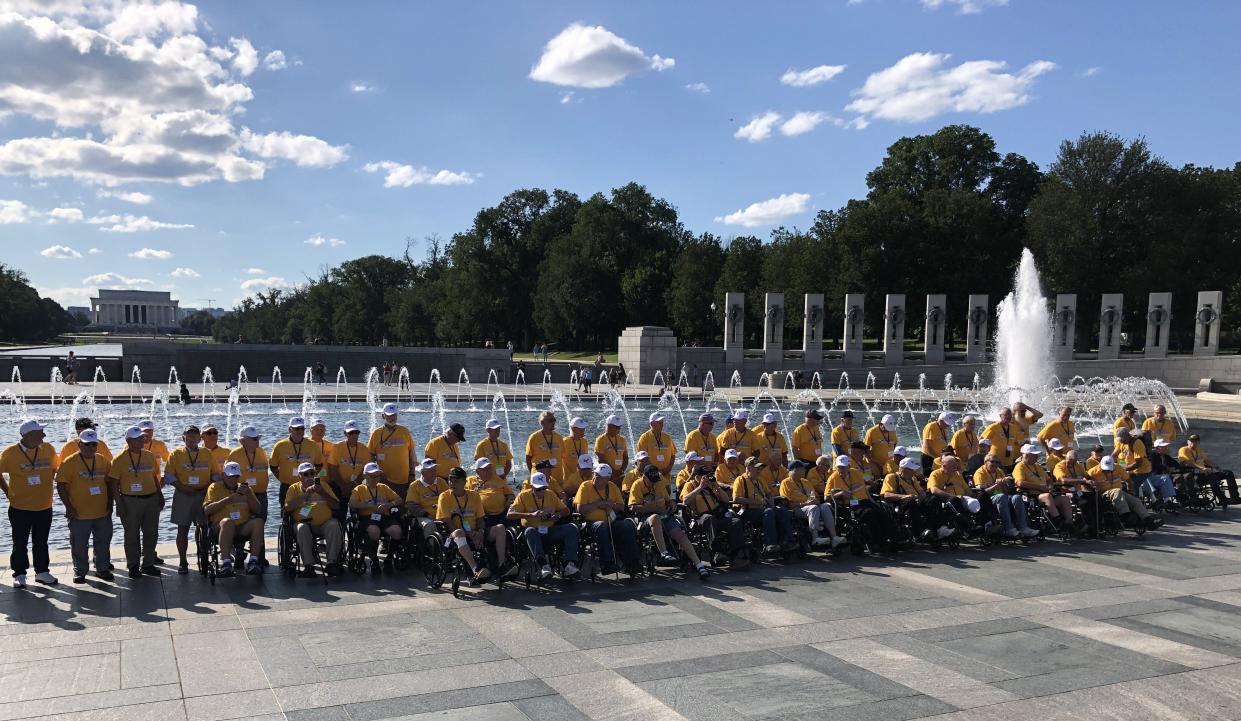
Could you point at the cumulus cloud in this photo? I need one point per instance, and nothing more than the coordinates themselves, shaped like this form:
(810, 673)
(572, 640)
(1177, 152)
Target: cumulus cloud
(965, 7)
(759, 128)
(151, 254)
(802, 122)
(246, 59)
(919, 87)
(255, 271)
(184, 273)
(133, 197)
(95, 251)
(398, 175)
(1091, 72)
(68, 215)
(275, 60)
(133, 224)
(700, 88)
(305, 150)
(254, 285)
(767, 212)
(114, 280)
(60, 252)
(13, 211)
(811, 76)
(318, 240)
(361, 87)
(591, 56)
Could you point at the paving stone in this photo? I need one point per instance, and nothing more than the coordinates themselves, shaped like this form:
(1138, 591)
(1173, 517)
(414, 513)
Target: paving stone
(201, 656)
(31, 680)
(148, 662)
(495, 693)
(387, 686)
(63, 705)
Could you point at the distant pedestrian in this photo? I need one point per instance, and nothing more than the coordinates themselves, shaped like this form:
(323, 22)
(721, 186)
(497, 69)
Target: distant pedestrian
(185, 395)
(71, 369)
(622, 378)
(587, 379)
(387, 371)
(509, 346)
(545, 352)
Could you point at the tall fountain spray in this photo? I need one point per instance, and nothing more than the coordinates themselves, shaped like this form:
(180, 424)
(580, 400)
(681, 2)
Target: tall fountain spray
(1023, 360)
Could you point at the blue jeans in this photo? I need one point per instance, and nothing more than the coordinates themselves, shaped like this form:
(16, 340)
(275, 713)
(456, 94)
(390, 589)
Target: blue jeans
(623, 533)
(1158, 482)
(565, 534)
(777, 523)
(1012, 510)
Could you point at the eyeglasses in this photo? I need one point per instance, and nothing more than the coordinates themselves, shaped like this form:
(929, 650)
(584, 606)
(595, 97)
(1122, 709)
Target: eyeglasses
(211, 433)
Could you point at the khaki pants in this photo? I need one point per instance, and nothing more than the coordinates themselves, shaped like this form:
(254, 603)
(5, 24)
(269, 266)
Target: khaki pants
(141, 523)
(330, 531)
(1125, 502)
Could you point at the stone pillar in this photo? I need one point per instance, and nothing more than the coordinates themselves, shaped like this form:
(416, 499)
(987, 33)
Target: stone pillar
(855, 306)
(1064, 326)
(894, 329)
(977, 324)
(812, 332)
(1158, 322)
(1110, 314)
(646, 349)
(1207, 322)
(773, 331)
(936, 325)
(734, 330)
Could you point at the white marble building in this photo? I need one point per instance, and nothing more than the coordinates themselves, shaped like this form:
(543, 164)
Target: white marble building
(146, 309)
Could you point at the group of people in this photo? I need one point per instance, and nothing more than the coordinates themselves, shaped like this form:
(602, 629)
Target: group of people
(737, 482)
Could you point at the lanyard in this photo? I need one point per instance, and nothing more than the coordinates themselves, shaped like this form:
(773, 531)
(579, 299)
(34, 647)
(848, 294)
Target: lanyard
(132, 465)
(461, 509)
(297, 449)
(612, 442)
(495, 449)
(193, 458)
(534, 498)
(383, 439)
(250, 459)
(769, 443)
(577, 449)
(658, 435)
(30, 460)
(814, 436)
(453, 450)
(94, 461)
(353, 454)
(800, 488)
(548, 441)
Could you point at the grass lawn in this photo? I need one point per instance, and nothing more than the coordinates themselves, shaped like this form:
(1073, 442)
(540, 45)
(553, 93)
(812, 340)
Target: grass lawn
(568, 356)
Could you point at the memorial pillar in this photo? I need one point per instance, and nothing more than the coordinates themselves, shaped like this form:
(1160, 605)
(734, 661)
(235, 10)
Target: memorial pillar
(1110, 315)
(773, 331)
(734, 330)
(855, 305)
(1207, 322)
(894, 329)
(936, 325)
(1158, 321)
(1064, 325)
(976, 325)
(812, 332)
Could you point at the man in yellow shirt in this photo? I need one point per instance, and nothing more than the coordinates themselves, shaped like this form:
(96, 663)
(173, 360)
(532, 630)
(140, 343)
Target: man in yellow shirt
(965, 440)
(770, 439)
(708, 501)
(1063, 429)
(1204, 470)
(733, 468)
(758, 508)
(496, 493)
(290, 453)
(847, 487)
(443, 449)
(1056, 452)
(902, 491)
(347, 461)
(702, 440)
(738, 437)
(153, 444)
(82, 482)
(312, 504)
(692, 461)
(462, 511)
(378, 510)
(661, 450)
(808, 437)
(71, 445)
(538, 510)
(190, 470)
(992, 482)
(545, 444)
(393, 447)
(1131, 455)
(252, 459)
(1126, 419)
(600, 502)
(935, 435)
(807, 502)
(135, 476)
(211, 444)
(495, 450)
(30, 465)
(844, 435)
(948, 485)
(231, 506)
(1159, 426)
(575, 445)
(422, 497)
(583, 469)
(1024, 417)
(653, 506)
(612, 447)
(881, 438)
(318, 435)
(1108, 479)
(1006, 439)
(1032, 478)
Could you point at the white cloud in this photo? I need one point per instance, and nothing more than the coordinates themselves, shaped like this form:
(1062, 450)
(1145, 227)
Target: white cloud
(767, 212)
(151, 254)
(318, 241)
(701, 88)
(69, 215)
(134, 197)
(403, 176)
(811, 76)
(586, 56)
(144, 20)
(361, 87)
(566, 97)
(965, 7)
(95, 251)
(1091, 72)
(13, 211)
(255, 285)
(305, 150)
(918, 87)
(246, 61)
(184, 273)
(255, 271)
(803, 122)
(759, 128)
(133, 224)
(275, 60)
(68, 296)
(114, 280)
(60, 252)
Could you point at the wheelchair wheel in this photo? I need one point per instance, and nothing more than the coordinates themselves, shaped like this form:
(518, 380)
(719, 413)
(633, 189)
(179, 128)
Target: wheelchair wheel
(434, 565)
(286, 549)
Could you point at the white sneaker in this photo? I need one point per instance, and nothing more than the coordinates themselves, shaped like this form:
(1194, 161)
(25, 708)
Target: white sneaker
(19, 581)
(570, 569)
(545, 571)
(1029, 532)
(944, 532)
(46, 579)
(1012, 533)
(820, 542)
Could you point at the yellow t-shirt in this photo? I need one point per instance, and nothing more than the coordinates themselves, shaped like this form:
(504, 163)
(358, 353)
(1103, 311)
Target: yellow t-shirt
(612, 450)
(807, 443)
(254, 468)
(1030, 473)
(964, 443)
(219, 454)
(893, 483)
(542, 446)
(641, 492)
(362, 494)
(771, 476)
(881, 443)
(942, 480)
(850, 482)
(496, 451)
(286, 456)
(771, 442)
(88, 484)
(1065, 431)
(744, 442)
(159, 448)
(135, 475)
(588, 493)
(1165, 429)
(985, 478)
(425, 496)
(1022, 421)
(1006, 442)
(727, 476)
(935, 438)
(797, 490)
(700, 503)
(1064, 469)
(31, 475)
(1108, 480)
(1194, 456)
(572, 479)
(751, 490)
(844, 438)
(192, 469)
(316, 512)
(495, 492)
(390, 448)
(1136, 453)
(573, 448)
(661, 449)
(704, 444)
(350, 460)
(239, 511)
(1123, 422)
(446, 455)
(528, 502)
(71, 447)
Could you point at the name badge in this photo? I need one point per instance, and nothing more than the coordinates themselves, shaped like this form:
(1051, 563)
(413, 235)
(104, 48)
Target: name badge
(191, 480)
(235, 515)
(375, 516)
(465, 526)
(305, 512)
(96, 490)
(660, 458)
(551, 461)
(33, 480)
(1010, 449)
(543, 530)
(379, 456)
(135, 488)
(708, 458)
(252, 482)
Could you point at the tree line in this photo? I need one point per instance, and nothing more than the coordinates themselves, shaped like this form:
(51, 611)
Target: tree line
(944, 213)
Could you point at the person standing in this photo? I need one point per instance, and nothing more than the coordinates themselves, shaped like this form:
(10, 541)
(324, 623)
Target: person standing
(211, 444)
(30, 465)
(190, 472)
(135, 478)
(71, 446)
(291, 453)
(494, 449)
(82, 482)
(392, 446)
(252, 459)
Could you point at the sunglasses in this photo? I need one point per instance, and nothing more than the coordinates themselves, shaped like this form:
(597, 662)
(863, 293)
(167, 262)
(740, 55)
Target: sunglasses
(211, 433)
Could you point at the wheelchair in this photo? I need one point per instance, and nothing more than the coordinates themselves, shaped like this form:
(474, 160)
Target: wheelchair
(1041, 521)
(1194, 495)
(1102, 520)
(355, 559)
(850, 526)
(529, 569)
(288, 552)
(442, 562)
(207, 543)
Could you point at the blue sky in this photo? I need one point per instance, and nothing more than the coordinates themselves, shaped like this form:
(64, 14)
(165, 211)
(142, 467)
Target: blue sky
(369, 123)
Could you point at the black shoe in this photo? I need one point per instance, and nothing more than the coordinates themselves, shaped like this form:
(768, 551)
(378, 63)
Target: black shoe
(377, 568)
(135, 572)
(388, 563)
(632, 570)
(607, 568)
(105, 575)
(333, 570)
(79, 579)
(307, 573)
(150, 570)
(1153, 522)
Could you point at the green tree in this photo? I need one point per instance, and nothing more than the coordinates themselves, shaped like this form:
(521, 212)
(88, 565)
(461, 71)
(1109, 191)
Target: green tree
(691, 289)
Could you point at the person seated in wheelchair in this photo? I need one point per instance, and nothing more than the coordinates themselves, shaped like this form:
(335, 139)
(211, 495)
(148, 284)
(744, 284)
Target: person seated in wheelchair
(580, 469)
(846, 487)
(1131, 455)
(1072, 474)
(731, 470)
(600, 505)
(1165, 470)
(708, 502)
(807, 502)
(461, 511)
(1109, 479)
(651, 503)
(423, 497)
(990, 481)
(537, 509)
(378, 508)
(970, 514)
(497, 496)
(773, 469)
(1056, 452)
(1096, 455)
(978, 459)
(233, 511)
(1206, 472)
(903, 492)
(757, 506)
(641, 461)
(859, 460)
(1033, 479)
(692, 460)
(312, 506)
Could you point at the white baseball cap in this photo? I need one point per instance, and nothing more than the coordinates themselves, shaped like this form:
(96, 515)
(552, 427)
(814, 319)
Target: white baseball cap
(731, 453)
(538, 480)
(984, 441)
(232, 469)
(900, 451)
(642, 456)
(371, 467)
(842, 461)
(769, 418)
(30, 426)
(133, 432)
(248, 432)
(352, 427)
(615, 420)
(87, 436)
(692, 456)
(888, 422)
(146, 425)
(578, 422)
(1030, 448)
(297, 422)
(585, 461)
(389, 409)
(482, 462)
(1107, 463)
(318, 422)
(305, 468)
(427, 463)
(1056, 444)
(946, 417)
(603, 470)
(911, 464)
(656, 417)
(494, 424)
(741, 415)
(1161, 443)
